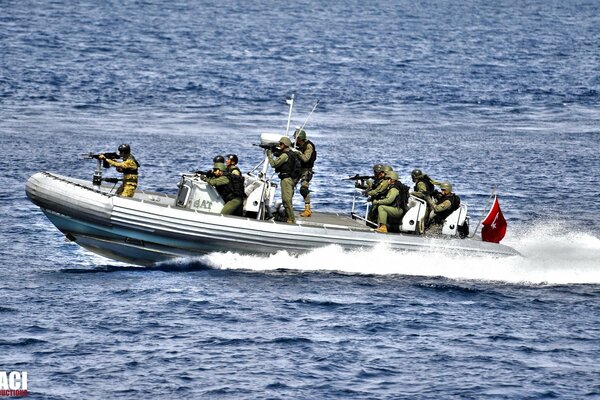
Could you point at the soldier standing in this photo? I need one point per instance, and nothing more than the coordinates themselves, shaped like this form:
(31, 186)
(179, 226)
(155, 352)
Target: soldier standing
(128, 167)
(287, 164)
(307, 155)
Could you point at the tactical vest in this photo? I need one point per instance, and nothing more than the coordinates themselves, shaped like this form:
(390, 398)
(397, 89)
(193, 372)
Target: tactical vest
(427, 181)
(311, 161)
(231, 190)
(291, 169)
(237, 184)
(442, 215)
(401, 201)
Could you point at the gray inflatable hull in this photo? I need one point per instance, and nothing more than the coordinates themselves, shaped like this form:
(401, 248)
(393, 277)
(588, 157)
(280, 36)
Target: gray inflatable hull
(150, 228)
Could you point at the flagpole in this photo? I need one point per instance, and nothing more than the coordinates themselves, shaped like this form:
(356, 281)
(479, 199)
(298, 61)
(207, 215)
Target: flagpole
(485, 210)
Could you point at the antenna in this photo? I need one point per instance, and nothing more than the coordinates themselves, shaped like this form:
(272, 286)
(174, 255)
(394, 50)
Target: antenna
(311, 112)
(290, 102)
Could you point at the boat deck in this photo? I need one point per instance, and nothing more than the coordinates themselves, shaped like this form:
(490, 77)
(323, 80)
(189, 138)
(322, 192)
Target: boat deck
(332, 220)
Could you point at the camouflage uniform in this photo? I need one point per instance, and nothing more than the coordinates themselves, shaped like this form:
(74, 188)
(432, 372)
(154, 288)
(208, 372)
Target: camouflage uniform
(129, 168)
(379, 191)
(231, 207)
(287, 184)
(385, 207)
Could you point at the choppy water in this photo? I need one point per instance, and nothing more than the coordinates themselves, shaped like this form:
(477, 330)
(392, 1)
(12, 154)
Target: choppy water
(478, 93)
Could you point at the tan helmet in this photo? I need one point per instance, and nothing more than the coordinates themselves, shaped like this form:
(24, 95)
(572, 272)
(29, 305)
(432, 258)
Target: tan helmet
(446, 186)
(220, 166)
(387, 168)
(286, 140)
(391, 175)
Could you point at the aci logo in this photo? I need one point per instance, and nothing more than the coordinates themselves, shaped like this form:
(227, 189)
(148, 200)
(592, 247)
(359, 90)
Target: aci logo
(13, 384)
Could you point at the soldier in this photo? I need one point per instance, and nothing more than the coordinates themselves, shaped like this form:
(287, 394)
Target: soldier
(229, 187)
(231, 162)
(447, 203)
(380, 185)
(307, 155)
(287, 164)
(378, 188)
(393, 204)
(423, 184)
(368, 185)
(128, 167)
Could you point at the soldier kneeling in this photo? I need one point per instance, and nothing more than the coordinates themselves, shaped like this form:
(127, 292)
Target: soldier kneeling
(393, 204)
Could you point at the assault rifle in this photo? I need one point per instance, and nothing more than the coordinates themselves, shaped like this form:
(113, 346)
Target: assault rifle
(358, 177)
(208, 174)
(109, 156)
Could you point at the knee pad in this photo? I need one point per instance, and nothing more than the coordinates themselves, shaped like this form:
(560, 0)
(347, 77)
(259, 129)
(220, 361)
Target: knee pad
(304, 191)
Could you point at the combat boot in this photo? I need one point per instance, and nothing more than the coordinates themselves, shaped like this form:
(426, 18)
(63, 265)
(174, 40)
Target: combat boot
(382, 229)
(306, 213)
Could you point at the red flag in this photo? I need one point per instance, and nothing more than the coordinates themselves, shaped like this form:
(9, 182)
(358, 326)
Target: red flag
(494, 225)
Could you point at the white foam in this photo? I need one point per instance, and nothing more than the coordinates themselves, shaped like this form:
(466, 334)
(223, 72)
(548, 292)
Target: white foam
(551, 255)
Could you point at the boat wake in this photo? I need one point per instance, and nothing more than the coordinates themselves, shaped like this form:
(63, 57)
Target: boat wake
(551, 255)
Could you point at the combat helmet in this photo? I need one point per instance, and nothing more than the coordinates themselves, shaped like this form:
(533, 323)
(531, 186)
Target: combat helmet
(446, 186)
(387, 168)
(124, 148)
(391, 175)
(219, 159)
(300, 134)
(286, 141)
(416, 173)
(378, 168)
(232, 157)
(220, 166)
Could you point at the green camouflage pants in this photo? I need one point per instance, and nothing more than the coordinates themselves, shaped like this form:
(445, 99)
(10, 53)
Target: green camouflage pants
(233, 207)
(383, 212)
(287, 193)
(305, 177)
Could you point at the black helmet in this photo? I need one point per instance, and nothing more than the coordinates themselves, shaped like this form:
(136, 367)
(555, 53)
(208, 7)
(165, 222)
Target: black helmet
(124, 148)
(232, 157)
(219, 159)
(377, 168)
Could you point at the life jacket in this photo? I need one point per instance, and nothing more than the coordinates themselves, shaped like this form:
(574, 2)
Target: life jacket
(401, 201)
(454, 199)
(231, 190)
(427, 181)
(311, 161)
(291, 169)
(129, 174)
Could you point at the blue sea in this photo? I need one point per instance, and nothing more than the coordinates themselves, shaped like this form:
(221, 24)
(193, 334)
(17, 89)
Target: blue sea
(479, 93)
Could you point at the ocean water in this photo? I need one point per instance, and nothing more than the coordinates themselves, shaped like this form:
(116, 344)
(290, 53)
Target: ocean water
(481, 94)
